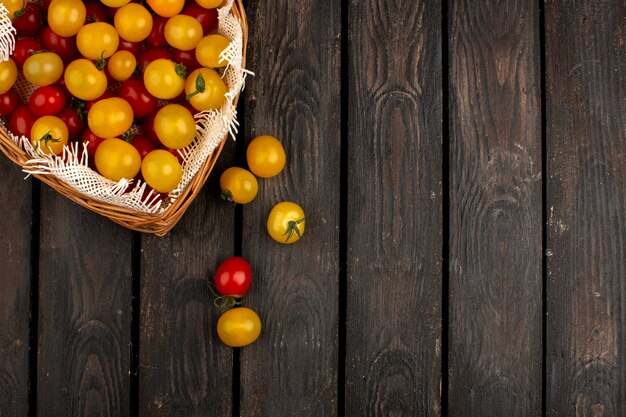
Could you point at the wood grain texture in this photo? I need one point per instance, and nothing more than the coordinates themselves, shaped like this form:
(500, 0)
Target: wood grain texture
(495, 349)
(15, 252)
(85, 311)
(292, 368)
(586, 200)
(394, 238)
(184, 370)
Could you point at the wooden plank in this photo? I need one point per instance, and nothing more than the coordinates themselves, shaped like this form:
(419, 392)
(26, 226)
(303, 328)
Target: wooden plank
(394, 236)
(586, 201)
(15, 247)
(184, 370)
(85, 311)
(495, 349)
(294, 50)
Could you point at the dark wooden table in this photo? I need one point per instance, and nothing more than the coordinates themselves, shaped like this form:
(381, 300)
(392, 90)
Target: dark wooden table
(463, 168)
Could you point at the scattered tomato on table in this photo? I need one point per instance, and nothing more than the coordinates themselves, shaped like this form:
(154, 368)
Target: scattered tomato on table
(238, 185)
(266, 156)
(233, 277)
(286, 222)
(239, 327)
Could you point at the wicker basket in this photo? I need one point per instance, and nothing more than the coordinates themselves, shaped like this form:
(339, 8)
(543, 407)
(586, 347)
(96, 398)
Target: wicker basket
(158, 224)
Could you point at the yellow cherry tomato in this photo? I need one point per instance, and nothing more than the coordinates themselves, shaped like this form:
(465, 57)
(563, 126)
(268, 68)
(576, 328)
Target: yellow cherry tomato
(110, 117)
(161, 170)
(164, 78)
(183, 32)
(210, 4)
(43, 68)
(84, 80)
(133, 22)
(116, 159)
(114, 3)
(13, 6)
(286, 222)
(49, 134)
(238, 185)
(205, 89)
(266, 156)
(166, 8)
(209, 49)
(122, 65)
(239, 327)
(66, 17)
(175, 126)
(97, 40)
(8, 75)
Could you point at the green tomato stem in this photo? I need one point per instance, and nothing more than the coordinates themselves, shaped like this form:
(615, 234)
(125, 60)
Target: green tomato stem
(227, 195)
(292, 227)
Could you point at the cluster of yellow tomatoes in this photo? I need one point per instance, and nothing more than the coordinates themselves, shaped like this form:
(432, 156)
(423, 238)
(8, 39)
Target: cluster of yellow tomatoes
(266, 158)
(102, 67)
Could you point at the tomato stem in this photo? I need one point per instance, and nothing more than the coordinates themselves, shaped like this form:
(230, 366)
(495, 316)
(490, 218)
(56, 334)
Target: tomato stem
(200, 86)
(128, 136)
(181, 71)
(225, 301)
(101, 63)
(19, 13)
(227, 196)
(48, 138)
(80, 107)
(292, 227)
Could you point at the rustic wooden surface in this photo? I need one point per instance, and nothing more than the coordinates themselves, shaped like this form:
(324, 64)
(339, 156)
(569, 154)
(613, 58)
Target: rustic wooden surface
(462, 166)
(394, 228)
(586, 204)
(85, 280)
(15, 247)
(296, 287)
(495, 210)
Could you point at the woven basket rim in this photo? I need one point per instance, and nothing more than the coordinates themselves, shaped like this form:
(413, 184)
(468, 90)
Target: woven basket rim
(160, 223)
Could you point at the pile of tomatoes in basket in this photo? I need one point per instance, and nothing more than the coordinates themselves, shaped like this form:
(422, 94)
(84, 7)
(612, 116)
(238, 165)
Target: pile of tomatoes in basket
(95, 71)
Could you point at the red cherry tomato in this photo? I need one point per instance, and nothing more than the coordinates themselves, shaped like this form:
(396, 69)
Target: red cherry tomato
(62, 46)
(30, 21)
(23, 49)
(92, 142)
(187, 58)
(233, 277)
(143, 144)
(106, 94)
(156, 38)
(132, 47)
(206, 17)
(111, 13)
(148, 128)
(75, 125)
(96, 12)
(9, 102)
(22, 120)
(47, 101)
(136, 94)
(149, 55)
